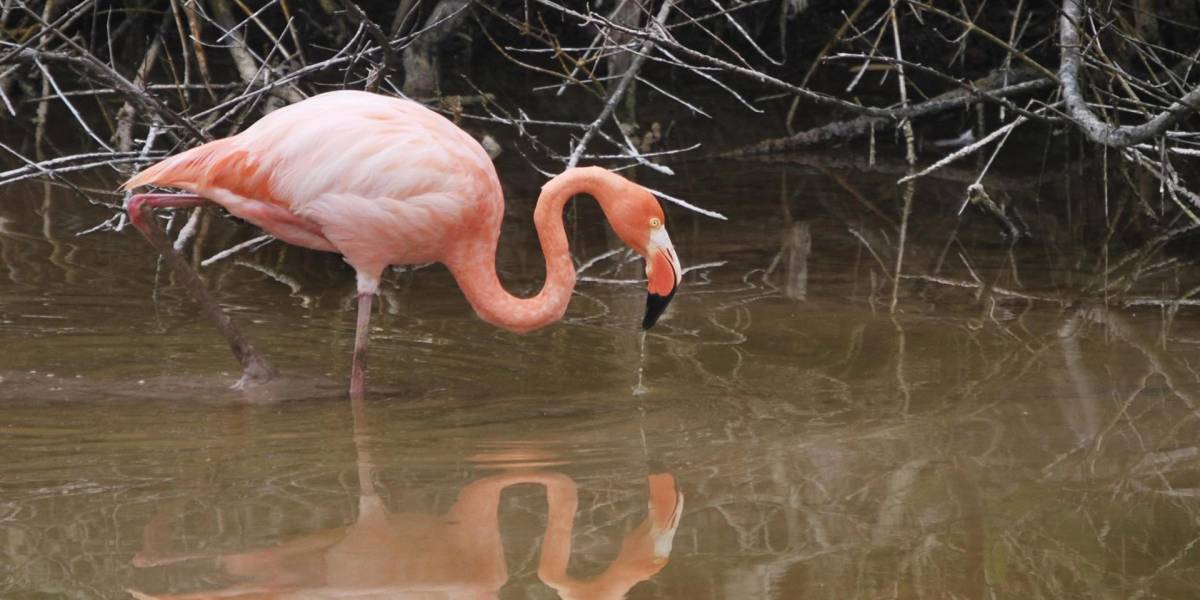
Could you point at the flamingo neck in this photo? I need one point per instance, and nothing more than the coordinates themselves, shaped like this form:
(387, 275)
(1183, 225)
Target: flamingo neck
(475, 268)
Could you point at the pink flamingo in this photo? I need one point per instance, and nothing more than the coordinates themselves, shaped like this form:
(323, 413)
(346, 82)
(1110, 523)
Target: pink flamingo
(385, 181)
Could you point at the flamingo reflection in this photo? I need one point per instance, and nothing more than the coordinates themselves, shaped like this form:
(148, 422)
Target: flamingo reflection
(453, 555)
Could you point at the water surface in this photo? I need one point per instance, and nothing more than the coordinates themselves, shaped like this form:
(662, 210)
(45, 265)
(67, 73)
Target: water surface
(1003, 433)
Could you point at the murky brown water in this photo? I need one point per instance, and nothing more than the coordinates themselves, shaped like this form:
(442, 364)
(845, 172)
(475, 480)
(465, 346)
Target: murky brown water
(986, 441)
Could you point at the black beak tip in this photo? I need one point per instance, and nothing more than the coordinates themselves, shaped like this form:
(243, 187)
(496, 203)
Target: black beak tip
(655, 306)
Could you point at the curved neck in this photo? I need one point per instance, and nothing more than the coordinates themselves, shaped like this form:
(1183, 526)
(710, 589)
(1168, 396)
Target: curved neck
(475, 266)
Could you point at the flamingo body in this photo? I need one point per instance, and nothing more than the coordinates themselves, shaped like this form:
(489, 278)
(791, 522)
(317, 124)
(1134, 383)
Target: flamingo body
(379, 180)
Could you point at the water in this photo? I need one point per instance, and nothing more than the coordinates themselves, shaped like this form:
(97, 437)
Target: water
(1002, 435)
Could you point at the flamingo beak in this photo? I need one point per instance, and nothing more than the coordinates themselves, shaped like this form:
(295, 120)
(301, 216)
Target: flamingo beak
(663, 274)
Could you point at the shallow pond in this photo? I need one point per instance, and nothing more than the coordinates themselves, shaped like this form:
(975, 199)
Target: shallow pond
(1001, 434)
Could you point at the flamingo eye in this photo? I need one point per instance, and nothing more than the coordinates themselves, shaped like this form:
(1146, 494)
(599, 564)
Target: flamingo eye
(655, 222)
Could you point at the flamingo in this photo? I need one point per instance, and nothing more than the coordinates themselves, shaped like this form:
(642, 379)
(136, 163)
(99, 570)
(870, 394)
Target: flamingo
(385, 181)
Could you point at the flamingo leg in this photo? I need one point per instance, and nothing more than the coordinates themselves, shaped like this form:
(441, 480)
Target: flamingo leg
(255, 368)
(359, 365)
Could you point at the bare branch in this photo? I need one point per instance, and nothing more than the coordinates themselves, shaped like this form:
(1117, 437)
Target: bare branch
(1101, 132)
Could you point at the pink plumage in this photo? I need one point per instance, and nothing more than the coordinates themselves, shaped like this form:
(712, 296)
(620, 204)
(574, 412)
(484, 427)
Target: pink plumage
(380, 180)
(386, 181)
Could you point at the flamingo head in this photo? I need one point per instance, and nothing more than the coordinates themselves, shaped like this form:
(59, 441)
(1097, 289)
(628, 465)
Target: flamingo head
(640, 222)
